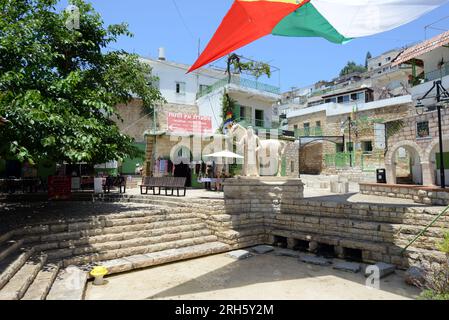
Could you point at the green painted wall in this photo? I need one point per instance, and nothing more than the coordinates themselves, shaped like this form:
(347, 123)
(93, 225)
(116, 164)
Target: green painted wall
(129, 165)
(284, 167)
(446, 160)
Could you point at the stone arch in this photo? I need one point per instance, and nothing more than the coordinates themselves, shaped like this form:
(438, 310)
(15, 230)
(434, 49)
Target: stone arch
(413, 148)
(428, 154)
(389, 158)
(433, 145)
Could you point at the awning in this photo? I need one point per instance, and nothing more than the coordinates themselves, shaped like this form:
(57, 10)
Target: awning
(422, 48)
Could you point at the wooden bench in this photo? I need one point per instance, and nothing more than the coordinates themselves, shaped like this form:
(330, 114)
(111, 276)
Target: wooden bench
(165, 183)
(119, 182)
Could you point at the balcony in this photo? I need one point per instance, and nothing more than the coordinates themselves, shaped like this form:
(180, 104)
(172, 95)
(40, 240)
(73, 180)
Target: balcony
(438, 74)
(246, 122)
(433, 75)
(242, 82)
(309, 132)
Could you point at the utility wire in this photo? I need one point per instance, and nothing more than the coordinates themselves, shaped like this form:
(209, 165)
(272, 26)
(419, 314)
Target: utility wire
(183, 20)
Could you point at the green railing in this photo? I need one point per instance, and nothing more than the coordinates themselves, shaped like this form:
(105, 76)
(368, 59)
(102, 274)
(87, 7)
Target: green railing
(246, 122)
(309, 132)
(366, 162)
(340, 160)
(242, 82)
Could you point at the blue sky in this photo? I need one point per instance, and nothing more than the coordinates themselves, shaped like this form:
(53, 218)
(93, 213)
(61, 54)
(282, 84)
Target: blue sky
(302, 61)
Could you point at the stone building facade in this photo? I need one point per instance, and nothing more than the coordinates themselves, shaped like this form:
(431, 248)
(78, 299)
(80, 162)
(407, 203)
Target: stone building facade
(365, 138)
(418, 135)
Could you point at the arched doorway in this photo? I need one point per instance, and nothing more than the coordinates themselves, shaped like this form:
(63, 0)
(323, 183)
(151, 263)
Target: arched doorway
(182, 158)
(433, 157)
(404, 164)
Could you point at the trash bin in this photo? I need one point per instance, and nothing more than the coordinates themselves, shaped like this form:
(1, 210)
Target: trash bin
(381, 175)
(98, 185)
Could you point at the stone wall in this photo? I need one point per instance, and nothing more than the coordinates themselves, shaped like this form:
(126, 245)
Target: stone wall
(419, 194)
(362, 131)
(311, 159)
(254, 214)
(292, 159)
(403, 134)
(135, 121)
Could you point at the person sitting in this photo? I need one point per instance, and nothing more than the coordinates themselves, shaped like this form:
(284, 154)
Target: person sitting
(209, 175)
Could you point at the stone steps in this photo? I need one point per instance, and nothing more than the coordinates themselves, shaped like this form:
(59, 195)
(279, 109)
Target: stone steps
(70, 284)
(161, 257)
(10, 265)
(105, 237)
(147, 199)
(18, 284)
(129, 243)
(44, 280)
(6, 236)
(101, 221)
(9, 247)
(136, 249)
(109, 227)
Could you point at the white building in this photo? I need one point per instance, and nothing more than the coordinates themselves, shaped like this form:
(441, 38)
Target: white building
(178, 87)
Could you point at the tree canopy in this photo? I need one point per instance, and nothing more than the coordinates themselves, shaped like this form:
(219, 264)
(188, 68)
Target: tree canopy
(59, 86)
(368, 56)
(351, 67)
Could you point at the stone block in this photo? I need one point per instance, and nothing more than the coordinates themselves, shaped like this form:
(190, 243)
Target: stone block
(319, 261)
(239, 254)
(385, 269)
(348, 267)
(286, 253)
(263, 249)
(415, 276)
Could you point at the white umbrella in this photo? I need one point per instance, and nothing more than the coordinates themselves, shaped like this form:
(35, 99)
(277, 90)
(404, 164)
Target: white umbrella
(224, 154)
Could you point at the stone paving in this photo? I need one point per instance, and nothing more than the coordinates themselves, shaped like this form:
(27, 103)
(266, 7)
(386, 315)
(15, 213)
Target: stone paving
(265, 276)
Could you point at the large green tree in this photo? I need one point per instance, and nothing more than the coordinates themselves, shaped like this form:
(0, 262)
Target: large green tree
(60, 83)
(351, 67)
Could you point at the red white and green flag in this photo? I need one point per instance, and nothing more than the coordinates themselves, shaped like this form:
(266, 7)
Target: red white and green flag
(338, 21)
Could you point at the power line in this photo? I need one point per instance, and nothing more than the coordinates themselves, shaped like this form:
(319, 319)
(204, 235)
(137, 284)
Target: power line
(182, 20)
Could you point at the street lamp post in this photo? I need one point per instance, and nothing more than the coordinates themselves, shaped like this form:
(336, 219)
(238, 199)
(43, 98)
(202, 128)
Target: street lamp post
(441, 97)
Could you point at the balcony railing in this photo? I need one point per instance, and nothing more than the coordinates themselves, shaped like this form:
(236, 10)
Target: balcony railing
(246, 122)
(438, 74)
(309, 132)
(242, 82)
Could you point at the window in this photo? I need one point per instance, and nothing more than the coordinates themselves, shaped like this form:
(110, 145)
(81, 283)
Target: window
(306, 129)
(318, 124)
(388, 59)
(361, 96)
(292, 166)
(422, 129)
(295, 127)
(367, 146)
(259, 118)
(204, 88)
(246, 114)
(180, 88)
(339, 147)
